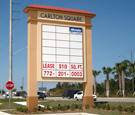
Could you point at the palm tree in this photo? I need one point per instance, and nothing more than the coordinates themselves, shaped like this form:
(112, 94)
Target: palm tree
(117, 70)
(107, 71)
(95, 73)
(131, 73)
(124, 65)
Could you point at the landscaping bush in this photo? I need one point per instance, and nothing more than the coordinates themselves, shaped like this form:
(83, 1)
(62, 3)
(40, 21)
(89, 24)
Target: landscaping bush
(34, 110)
(63, 108)
(131, 109)
(107, 107)
(103, 106)
(54, 108)
(98, 105)
(120, 108)
(73, 106)
(22, 109)
(94, 106)
(43, 109)
(80, 106)
(59, 107)
(87, 106)
(125, 109)
(48, 107)
(113, 108)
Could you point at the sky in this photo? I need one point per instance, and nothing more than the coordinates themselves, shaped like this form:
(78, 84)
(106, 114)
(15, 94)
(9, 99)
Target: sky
(113, 35)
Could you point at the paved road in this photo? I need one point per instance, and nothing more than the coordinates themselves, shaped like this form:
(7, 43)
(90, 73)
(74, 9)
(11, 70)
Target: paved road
(98, 100)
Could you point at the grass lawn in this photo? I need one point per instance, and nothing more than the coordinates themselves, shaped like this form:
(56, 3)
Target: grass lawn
(55, 103)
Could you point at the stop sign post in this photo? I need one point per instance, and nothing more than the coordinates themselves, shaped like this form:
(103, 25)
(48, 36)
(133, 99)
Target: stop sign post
(9, 85)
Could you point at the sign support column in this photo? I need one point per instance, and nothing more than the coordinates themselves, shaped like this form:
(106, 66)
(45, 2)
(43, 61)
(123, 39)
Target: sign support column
(32, 98)
(87, 86)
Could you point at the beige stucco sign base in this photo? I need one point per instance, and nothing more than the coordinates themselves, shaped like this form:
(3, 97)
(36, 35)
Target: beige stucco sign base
(43, 16)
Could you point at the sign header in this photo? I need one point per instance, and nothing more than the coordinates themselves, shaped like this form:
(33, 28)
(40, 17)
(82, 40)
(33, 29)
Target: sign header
(61, 16)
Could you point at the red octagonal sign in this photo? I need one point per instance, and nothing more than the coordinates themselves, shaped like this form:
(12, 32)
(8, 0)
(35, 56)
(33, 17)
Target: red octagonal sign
(9, 85)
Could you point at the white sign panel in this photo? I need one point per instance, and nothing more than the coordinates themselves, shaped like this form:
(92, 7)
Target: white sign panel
(62, 54)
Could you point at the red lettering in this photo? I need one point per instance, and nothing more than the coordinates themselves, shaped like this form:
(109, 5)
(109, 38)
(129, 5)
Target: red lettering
(46, 65)
(62, 66)
(80, 67)
(48, 73)
(73, 66)
(76, 73)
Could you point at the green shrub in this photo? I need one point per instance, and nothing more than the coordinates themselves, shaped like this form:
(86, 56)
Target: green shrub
(131, 109)
(80, 106)
(107, 107)
(120, 108)
(94, 106)
(22, 109)
(99, 106)
(34, 110)
(48, 107)
(73, 106)
(63, 108)
(103, 106)
(54, 108)
(43, 109)
(25, 109)
(87, 106)
(59, 107)
(113, 108)
(125, 109)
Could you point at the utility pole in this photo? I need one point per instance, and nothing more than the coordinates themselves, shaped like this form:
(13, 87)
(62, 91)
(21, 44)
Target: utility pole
(22, 83)
(10, 43)
(132, 73)
(10, 50)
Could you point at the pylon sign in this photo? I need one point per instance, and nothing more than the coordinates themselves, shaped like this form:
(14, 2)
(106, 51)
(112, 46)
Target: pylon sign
(59, 49)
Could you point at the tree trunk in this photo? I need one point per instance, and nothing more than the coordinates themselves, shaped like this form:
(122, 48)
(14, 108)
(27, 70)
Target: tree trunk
(120, 84)
(95, 91)
(123, 83)
(107, 86)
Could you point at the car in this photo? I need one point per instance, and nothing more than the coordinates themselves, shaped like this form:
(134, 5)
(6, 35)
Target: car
(79, 95)
(64, 94)
(41, 95)
(70, 93)
(17, 94)
(24, 95)
(6, 96)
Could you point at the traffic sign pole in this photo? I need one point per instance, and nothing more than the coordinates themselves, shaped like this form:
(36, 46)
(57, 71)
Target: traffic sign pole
(9, 86)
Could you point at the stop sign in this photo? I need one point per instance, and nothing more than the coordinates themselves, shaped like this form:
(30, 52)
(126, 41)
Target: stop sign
(9, 85)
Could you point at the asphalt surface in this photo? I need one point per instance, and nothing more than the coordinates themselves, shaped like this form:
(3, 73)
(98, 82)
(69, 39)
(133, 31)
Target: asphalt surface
(98, 99)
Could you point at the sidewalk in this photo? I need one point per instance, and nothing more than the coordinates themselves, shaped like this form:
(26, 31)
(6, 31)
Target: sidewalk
(3, 113)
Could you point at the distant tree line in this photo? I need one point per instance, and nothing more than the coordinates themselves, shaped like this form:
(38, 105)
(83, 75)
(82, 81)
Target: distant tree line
(122, 84)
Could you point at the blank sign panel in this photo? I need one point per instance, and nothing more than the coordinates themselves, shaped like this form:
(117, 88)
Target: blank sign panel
(62, 44)
(48, 28)
(62, 29)
(62, 58)
(75, 59)
(47, 35)
(62, 36)
(75, 52)
(46, 50)
(62, 51)
(48, 43)
(75, 45)
(74, 37)
(49, 58)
